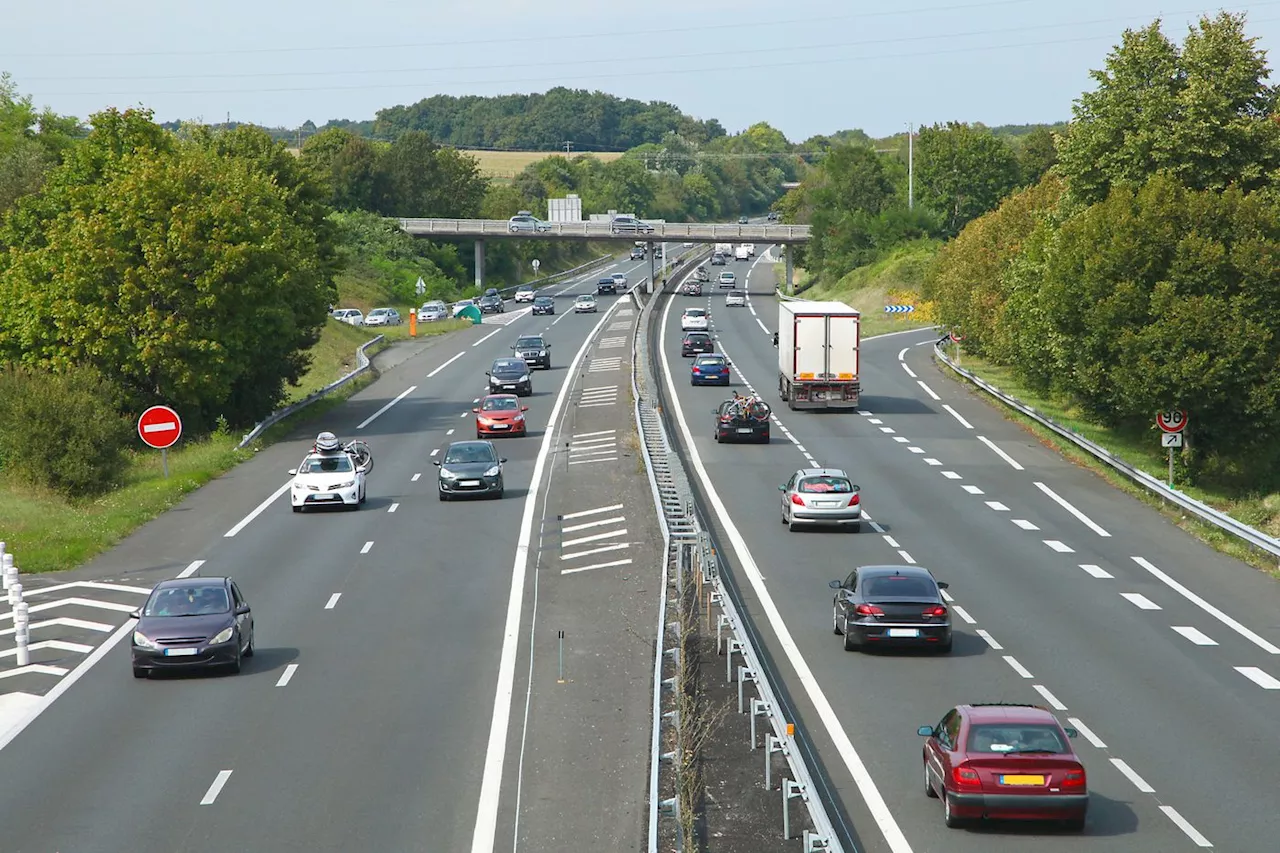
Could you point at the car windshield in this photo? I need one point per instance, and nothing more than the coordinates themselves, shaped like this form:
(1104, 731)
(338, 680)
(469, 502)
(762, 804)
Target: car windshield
(1005, 738)
(543, 300)
(337, 464)
(694, 312)
(825, 484)
(697, 337)
(464, 453)
(586, 299)
(529, 342)
(188, 601)
(510, 365)
(499, 404)
(736, 293)
(890, 587)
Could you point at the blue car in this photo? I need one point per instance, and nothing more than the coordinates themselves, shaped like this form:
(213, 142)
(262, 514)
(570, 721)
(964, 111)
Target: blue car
(709, 370)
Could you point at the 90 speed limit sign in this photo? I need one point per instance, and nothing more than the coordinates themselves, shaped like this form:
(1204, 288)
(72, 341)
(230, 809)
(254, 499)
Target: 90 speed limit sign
(1174, 421)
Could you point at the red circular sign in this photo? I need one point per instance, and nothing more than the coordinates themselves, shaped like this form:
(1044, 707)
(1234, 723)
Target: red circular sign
(1174, 421)
(160, 427)
(956, 337)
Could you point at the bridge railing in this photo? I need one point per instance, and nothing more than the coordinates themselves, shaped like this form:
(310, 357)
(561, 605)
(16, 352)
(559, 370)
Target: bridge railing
(669, 231)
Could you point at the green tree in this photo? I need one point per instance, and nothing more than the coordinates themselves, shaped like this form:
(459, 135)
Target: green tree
(1037, 154)
(841, 199)
(962, 172)
(417, 177)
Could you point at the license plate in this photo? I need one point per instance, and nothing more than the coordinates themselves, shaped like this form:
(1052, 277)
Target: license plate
(826, 503)
(509, 387)
(177, 653)
(325, 497)
(1021, 780)
(502, 426)
(904, 632)
(744, 429)
(468, 482)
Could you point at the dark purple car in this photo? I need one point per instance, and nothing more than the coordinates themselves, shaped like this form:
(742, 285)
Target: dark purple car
(192, 622)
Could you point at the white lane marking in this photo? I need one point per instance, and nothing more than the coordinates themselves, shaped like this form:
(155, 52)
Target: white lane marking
(927, 389)
(368, 546)
(465, 415)
(866, 414)
(1018, 667)
(594, 450)
(875, 421)
(998, 452)
(434, 452)
(405, 393)
(258, 510)
(1185, 825)
(901, 440)
(950, 475)
(946, 596)
(59, 645)
(415, 478)
(75, 602)
(893, 543)
(1268, 647)
(1096, 571)
(107, 587)
(762, 326)
(333, 601)
(1078, 724)
(287, 675)
(1059, 546)
(876, 526)
(589, 524)
(1139, 601)
(990, 640)
(1259, 677)
(449, 431)
(973, 490)
(888, 430)
(432, 374)
(905, 556)
(915, 449)
(964, 614)
(910, 372)
(1195, 635)
(189, 570)
(1024, 524)
(1080, 516)
(929, 460)
(871, 795)
(486, 826)
(62, 622)
(577, 569)
(490, 335)
(578, 435)
(1049, 697)
(997, 506)
(903, 354)
(586, 512)
(216, 788)
(595, 460)
(41, 668)
(800, 447)
(621, 546)
(393, 507)
(958, 416)
(1132, 776)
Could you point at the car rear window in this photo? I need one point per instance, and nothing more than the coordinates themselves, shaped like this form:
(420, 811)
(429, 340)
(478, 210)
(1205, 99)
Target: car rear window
(825, 484)
(709, 360)
(889, 587)
(694, 312)
(1013, 737)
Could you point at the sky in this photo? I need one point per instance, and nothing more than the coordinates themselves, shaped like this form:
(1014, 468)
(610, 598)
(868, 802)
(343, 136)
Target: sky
(804, 66)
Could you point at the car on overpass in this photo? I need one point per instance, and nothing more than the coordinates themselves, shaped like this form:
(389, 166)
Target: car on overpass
(606, 285)
(885, 606)
(526, 221)
(742, 220)
(470, 468)
(524, 293)
(544, 305)
(188, 623)
(500, 414)
(534, 349)
(629, 225)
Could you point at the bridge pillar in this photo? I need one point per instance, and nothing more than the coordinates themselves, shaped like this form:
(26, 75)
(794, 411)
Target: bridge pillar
(653, 267)
(791, 282)
(480, 265)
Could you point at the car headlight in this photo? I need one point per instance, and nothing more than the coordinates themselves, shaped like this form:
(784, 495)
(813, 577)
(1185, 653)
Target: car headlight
(541, 353)
(524, 378)
(141, 639)
(519, 417)
(223, 636)
(446, 474)
(494, 471)
(348, 484)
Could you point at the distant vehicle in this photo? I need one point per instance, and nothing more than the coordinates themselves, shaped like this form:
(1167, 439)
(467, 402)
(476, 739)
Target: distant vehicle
(606, 285)
(620, 280)
(712, 369)
(524, 293)
(725, 249)
(637, 253)
(492, 305)
(695, 319)
(500, 414)
(750, 247)
(688, 245)
(735, 299)
(431, 311)
(350, 316)
(525, 221)
(192, 622)
(629, 225)
(691, 288)
(695, 343)
(534, 349)
(492, 291)
(327, 479)
(773, 216)
(818, 355)
(457, 307)
(742, 253)
(742, 418)
(544, 305)
(727, 279)
(824, 496)
(742, 220)
(718, 260)
(510, 375)
(584, 304)
(383, 317)
(470, 468)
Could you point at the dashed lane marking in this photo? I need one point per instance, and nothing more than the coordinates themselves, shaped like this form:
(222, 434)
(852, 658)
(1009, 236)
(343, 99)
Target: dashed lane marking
(1195, 635)
(1130, 774)
(1139, 601)
(1096, 571)
(998, 452)
(333, 601)
(287, 675)
(1259, 677)
(1266, 646)
(215, 789)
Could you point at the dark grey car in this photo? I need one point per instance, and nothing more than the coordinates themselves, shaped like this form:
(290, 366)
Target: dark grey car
(890, 606)
(534, 350)
(190, 623)
(510, 376)
(470, 468)
(492, 305)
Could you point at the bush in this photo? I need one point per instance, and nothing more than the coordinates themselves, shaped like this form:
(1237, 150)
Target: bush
(63, 431)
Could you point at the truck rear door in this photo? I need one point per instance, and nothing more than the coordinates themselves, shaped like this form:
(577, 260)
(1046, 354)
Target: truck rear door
(842, 348)
(811, 349)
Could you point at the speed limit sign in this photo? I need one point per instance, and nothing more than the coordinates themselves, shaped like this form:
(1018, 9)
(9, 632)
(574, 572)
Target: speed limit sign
(1174, 421)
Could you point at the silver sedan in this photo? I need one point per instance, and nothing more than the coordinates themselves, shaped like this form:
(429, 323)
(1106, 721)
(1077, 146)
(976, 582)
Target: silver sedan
(821, 496)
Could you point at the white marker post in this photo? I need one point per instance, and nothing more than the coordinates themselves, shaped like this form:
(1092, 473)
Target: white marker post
(22, 632)
(1171, 425)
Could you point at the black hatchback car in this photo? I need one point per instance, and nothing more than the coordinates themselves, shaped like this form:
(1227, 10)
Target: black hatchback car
(890, 606)
(192, 623)
(544, 305)
(470, 468)
(534, 350)
(606, 285)
(510, 376)
(696, 342)
(492, 305)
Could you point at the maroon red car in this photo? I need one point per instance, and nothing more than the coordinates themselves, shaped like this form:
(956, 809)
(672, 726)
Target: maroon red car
(1004, 761)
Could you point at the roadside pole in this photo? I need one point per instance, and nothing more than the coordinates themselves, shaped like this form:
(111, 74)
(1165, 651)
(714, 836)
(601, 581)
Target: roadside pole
(1172, 424)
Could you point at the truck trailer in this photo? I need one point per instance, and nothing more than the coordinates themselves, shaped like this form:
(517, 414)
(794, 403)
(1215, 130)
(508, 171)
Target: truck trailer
(818, 355)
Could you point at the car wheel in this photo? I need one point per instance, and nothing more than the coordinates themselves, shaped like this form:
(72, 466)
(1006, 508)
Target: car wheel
(928, 784)
(444, 496)
(234, 666)
(364, 495)
(248, 652)
(856, 527)
(850, 644)
(835, 620)
(791, 525)
(140, 672)
(479, 434)
(297, 509)
(948, 816)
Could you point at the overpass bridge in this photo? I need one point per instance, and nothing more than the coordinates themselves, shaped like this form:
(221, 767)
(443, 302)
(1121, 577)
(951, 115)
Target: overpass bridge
(480, 230)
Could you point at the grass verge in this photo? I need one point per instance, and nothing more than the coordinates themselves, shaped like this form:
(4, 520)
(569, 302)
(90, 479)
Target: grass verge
(508, 164)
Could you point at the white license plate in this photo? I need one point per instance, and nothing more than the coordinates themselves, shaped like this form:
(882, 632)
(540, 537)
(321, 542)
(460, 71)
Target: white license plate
(826, 503)
(744, 429)
(904, 632)
(178, 653)
(502, 426)
(325, 497)
(509, 387)
(468, 482)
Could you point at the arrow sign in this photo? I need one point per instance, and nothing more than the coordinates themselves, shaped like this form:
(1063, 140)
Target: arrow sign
(160, 427)
(1174, 421)
(899, 309)
(1171, 439)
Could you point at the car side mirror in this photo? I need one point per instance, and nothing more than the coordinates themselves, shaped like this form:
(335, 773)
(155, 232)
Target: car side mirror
(524, 408)
(835, 584)
(436, 463)
(242, 610)
(943, 585)
(486, 373)
(293, 472)
(1072, 732)
(475, 409)
(513, 346)
(503, 459)
(925, 731)
(135, 614)
(782, 488)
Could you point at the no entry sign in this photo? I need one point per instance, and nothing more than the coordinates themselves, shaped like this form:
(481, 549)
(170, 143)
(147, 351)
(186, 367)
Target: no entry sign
(160, 427)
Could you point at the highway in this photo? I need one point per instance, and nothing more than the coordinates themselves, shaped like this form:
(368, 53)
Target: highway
(1066, 593)
(364, 720)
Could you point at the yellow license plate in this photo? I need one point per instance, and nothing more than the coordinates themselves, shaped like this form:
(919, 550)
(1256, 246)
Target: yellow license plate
(1021, 780)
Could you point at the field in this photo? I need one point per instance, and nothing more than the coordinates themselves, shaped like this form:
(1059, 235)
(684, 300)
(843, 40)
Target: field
(508, 164)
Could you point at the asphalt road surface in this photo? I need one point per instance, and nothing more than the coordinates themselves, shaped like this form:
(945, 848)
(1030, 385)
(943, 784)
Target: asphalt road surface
(363, 722)
(1067, 594)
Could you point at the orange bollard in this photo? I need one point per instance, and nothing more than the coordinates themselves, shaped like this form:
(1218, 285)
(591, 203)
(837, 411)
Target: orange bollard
(413, 324)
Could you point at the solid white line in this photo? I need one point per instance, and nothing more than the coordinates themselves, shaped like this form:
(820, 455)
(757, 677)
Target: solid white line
(1018, 667)
(368, 546)
(973, 490)
(950, 475)
(393, 507)
(964, 614)
(762, 326)
(415, 478)
(287, 675)
(578, 435)
(595, 537)
(216, 787)
(903, 354)
(333, 601)
(893, 543)
(1049, 697)
(258, 510)
(486, 826)
(621, 546)
(108, 587)
(589, 524)
(490, 335)
(1138, 781)
(432, 374)
(1185, 825)
(910, 372)
(905, 556)
(998, 452)
(990, 640)
(594, 450)
(1139, 601)
(574, 571)
(1268, 647)
(1059, 547)
(1195, 635)
(405, 393)
(1062, 502)
(1024, 524)
(957, 416)
(927, 389)
(871, 795)
(63, 622)
(586, 512)
(1096, 571)
(1258, 677)
(1077, 723)
(997, 506)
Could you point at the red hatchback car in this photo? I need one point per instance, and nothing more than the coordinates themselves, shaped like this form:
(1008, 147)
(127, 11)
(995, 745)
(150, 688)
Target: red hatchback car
(1004, 761)
(500, 414)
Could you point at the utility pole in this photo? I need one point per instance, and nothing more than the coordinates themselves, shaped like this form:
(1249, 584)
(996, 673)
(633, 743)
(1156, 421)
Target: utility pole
(567, 147)
(911, 166)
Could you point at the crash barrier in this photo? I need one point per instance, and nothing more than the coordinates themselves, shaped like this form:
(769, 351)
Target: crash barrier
(362, 365)
(691, 565)
(21, 614)
(1255, 538)
(560, 276)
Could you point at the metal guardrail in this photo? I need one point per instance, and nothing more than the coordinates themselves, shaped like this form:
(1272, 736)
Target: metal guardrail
(705, 231)
(559, 276)
(1222, 521)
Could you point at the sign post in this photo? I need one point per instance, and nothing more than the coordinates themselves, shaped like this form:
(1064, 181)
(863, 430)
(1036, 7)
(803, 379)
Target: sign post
(956, 338)
(160, 427)
(536, 263)
(1171, 425)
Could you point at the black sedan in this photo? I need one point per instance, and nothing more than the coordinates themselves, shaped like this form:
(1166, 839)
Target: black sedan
(511, 376)
(534, 350)
(695, 343)
(544, 305)
(492, 305)
(606, 285)
(470, 468)
(890, 606)
(192, 622)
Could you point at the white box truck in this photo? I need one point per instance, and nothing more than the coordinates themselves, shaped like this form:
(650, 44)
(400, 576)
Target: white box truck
(818, 355)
